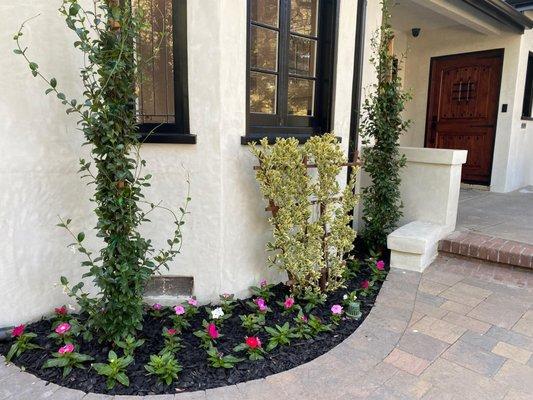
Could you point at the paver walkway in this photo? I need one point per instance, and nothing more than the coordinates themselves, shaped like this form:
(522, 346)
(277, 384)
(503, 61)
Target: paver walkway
(462, 330)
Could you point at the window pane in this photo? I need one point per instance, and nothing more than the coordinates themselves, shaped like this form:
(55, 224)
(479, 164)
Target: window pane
(304, 16)
(265, 12)
(263, 89)
(156, 84)
(264, 49)
(301, 96)
(302, 56)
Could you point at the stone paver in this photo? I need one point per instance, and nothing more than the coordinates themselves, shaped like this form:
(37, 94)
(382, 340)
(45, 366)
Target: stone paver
(462, 330)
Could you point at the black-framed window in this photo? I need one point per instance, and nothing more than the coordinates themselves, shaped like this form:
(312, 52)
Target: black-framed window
(163, 102)
(290, 67)
(527, 108)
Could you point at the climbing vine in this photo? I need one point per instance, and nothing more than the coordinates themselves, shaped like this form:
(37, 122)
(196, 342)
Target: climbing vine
(381, 127)
(310, 213)
(106, 35)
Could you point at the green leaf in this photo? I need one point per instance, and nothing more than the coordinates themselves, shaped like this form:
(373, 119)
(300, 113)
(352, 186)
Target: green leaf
(64, 281)
(53, 82)
(81, 236)
(122, 378)
(74, 9)
(33, 66)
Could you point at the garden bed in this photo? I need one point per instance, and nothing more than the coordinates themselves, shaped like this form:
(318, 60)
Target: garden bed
(197, 374)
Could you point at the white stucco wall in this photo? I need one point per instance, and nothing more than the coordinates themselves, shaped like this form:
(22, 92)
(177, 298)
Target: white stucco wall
(512, 158)
(225, 235)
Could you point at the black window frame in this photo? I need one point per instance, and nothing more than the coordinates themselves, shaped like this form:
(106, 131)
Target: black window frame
(178, 132)
(527, 106)
(272, 126)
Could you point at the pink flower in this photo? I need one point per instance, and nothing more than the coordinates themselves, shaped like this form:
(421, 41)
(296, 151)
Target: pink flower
(289, 302)
(365, 284)
(63, 328)
(263, 283)
(18, 330)
(212, 331)
(68, 348)
(192, 302)
(179, 310)
(380, 265)
(171, 332)
(61, 310)
(157, 306)
(261, 304)
(253, 342)
(336, 309)
(304, 318)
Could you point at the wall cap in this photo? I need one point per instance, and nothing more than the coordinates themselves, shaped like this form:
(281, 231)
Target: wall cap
(434, 156)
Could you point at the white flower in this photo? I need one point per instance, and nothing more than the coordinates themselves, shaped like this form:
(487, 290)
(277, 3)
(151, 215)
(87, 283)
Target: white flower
(345, 297)
(217, 313)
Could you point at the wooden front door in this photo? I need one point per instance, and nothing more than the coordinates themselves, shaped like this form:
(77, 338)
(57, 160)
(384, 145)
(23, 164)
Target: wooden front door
(462, 113)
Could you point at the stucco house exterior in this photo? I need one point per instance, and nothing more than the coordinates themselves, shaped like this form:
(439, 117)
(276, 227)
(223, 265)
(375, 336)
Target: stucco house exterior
(236, 71)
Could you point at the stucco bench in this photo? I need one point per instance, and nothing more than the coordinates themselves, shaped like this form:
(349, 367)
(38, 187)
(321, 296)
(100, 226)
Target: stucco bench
(414, 246)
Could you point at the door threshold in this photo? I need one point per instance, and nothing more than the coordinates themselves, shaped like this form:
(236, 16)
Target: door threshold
(475, 186)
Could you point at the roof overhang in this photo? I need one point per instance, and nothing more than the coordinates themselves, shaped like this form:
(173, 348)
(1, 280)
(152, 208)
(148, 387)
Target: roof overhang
(521, 5)
(503, 13)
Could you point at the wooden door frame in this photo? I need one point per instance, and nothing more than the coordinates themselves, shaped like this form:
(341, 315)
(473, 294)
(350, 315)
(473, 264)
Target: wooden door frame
(430, 98)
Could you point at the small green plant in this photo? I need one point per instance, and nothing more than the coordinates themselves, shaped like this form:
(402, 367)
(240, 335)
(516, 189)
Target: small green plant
(259, 305)
(172, 342)
(129, 344)
(208, 335)
(313, 300)
(114, 370)
(377, 268)
(264, 290)
(311, 214)
(165, 367)
(218, 360)
(352, 306)
(353, 269)
(279, 336)
(302, 330)
(65, 332)
(67, 359)
(337, 313)
(317, 326)
(22, 342)
(289, 306)
(180, 319)
(227, 302)
(253, 323)
(366, 288)
(382, 124)
(253, 346)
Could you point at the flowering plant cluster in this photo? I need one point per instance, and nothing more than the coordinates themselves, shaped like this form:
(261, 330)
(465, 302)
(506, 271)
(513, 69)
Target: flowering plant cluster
(208, 335)
(22, 342)
(67, 359)
(253, 346)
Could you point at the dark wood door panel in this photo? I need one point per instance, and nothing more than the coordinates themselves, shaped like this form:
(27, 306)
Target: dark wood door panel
(463, 108)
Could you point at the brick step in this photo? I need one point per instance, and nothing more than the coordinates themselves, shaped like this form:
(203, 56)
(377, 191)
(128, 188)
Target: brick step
(490, 248)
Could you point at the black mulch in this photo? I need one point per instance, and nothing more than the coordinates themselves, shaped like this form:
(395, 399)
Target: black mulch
(196, 375)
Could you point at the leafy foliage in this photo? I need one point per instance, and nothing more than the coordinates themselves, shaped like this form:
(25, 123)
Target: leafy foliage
(165, 367)
(218, 360)
(67, 361)
(311, 214)
(253, 323)
(22, 344)
(106, 36)
(381, 127)
(115, 369)
(129, 344)
(279, 336)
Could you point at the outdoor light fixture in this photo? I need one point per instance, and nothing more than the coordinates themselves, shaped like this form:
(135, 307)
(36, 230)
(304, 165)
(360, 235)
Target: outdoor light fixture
(416, 32)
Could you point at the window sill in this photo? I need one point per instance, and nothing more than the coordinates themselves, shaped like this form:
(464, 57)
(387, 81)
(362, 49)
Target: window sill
(183, 138)
(527, 118)
(271, 137)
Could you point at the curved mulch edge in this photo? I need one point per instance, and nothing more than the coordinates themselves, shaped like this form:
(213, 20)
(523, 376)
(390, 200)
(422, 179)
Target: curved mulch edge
(357, 359)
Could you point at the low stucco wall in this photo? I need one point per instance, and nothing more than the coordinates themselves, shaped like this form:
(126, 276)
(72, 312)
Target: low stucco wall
(226, 232)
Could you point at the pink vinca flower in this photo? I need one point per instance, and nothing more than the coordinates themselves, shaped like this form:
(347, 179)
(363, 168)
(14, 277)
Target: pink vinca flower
(263, 283)
(380, 265)
(63, 328)
(68, 348)
(171, 332)
(157, 306)
(365, 284)
(192, 302)
(212, 331)
(336, 309)
(261, 304)
(18, 331)
(179, 310)
(61, 310)
(289, 302)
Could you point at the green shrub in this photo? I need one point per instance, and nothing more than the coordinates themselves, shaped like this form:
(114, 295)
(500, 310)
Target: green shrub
(165, 367)
(309, 245)
(114, 370)
(381, 127)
